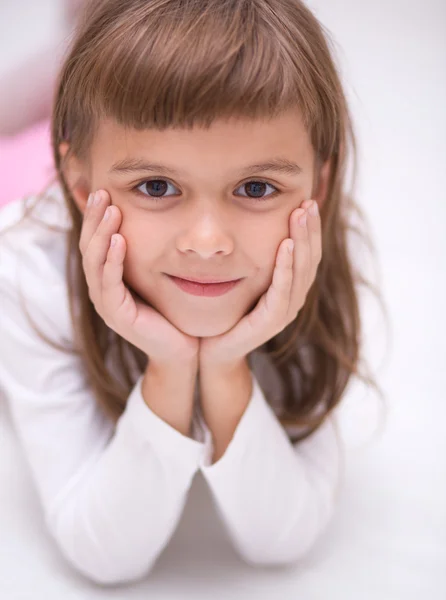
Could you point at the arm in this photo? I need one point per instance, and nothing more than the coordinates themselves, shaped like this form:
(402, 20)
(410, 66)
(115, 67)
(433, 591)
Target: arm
(275, 498)
(111, 496)
(169, 393)
(225, 396)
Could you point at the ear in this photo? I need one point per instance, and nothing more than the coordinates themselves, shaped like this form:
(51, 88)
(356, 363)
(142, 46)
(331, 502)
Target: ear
(76, 177)
(321, 184)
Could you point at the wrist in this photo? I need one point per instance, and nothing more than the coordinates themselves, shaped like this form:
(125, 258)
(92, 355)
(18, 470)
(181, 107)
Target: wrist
(180, 367)
(224, 368)
(168, 390)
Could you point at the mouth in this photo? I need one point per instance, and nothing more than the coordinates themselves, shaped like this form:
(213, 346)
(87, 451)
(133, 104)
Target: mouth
(214, 288)
(204, 280)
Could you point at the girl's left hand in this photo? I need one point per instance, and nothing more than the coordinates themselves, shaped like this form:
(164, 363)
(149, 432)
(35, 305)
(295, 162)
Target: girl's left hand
(293, 275)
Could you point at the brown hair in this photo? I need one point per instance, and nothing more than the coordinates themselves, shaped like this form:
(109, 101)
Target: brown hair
(172, 63)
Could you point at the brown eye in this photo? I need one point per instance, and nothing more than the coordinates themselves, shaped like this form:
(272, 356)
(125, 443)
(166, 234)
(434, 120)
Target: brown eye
(156, 188)
(256, 189)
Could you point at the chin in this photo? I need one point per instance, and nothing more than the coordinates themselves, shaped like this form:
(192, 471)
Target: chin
(204, 329)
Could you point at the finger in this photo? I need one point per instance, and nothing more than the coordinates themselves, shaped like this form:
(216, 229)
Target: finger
(116, 297)
(268, 314)
(302, 260)
(315, 239)
(96, 253)
(277, 297)
(92, 217)
(306, 204)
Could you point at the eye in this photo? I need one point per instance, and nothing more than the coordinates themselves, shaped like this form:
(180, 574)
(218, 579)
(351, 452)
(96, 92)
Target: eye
(258, 188)
(157, 189)
(155, 186)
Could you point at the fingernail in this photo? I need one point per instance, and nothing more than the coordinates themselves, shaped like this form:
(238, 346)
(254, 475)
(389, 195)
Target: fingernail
(303, 220)
(313, 210)
(97, 198)
(90, 200)
(107, 214)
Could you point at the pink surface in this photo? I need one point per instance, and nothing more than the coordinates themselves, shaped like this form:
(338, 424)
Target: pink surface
(26, 162)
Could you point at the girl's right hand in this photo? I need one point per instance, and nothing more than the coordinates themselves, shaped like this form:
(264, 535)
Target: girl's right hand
(141, 325)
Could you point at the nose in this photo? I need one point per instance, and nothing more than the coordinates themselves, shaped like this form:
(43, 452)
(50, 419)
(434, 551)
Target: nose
(207, 235)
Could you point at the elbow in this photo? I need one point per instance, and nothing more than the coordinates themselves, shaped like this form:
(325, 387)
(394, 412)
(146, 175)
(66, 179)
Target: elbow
(111, 577)
(264, 553)
(292, 545)
(283, 555)
(105, 572)
(97, 563)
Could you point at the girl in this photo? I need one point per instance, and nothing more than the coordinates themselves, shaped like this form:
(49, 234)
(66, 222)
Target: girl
(192, 142)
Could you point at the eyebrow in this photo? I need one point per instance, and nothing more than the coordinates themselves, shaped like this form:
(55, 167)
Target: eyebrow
(134, 165)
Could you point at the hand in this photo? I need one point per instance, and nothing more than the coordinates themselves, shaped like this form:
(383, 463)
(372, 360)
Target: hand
(141, 325)
(280, 304)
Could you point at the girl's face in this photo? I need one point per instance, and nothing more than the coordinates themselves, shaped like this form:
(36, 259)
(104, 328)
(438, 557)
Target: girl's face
(204, 210)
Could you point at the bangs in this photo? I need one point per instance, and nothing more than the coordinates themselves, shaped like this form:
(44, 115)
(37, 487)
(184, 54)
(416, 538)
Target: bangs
(178, 66)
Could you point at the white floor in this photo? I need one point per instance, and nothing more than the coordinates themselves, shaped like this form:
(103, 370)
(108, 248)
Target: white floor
(388, 539)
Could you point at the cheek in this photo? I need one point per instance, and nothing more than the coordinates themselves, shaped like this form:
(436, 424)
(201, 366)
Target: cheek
(142, 244)
(264, 259)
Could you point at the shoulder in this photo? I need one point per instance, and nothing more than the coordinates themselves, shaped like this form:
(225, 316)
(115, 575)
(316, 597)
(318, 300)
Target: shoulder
(33, 253)
(47, 223)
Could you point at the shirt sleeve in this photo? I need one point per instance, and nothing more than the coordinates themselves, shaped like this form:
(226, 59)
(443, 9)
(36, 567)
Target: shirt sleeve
(275, 498)
(112, 495)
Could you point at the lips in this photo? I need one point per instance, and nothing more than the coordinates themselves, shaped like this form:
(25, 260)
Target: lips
(205, 280)
(204, 289)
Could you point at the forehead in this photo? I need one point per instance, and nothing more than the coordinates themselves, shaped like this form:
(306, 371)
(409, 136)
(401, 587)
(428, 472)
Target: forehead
(235, 140)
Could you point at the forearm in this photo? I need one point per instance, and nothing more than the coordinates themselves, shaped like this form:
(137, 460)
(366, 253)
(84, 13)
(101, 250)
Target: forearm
(225, 394)
(276, 498)
(169, 392)
(113, 515)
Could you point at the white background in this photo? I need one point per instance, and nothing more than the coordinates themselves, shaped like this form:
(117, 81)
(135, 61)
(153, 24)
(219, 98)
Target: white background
(388, 538)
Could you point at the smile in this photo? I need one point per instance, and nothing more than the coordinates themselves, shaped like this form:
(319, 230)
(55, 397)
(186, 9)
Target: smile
(204, 289)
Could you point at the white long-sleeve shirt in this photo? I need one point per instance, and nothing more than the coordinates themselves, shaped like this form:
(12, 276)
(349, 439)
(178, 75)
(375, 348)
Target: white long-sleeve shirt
(112, 495)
